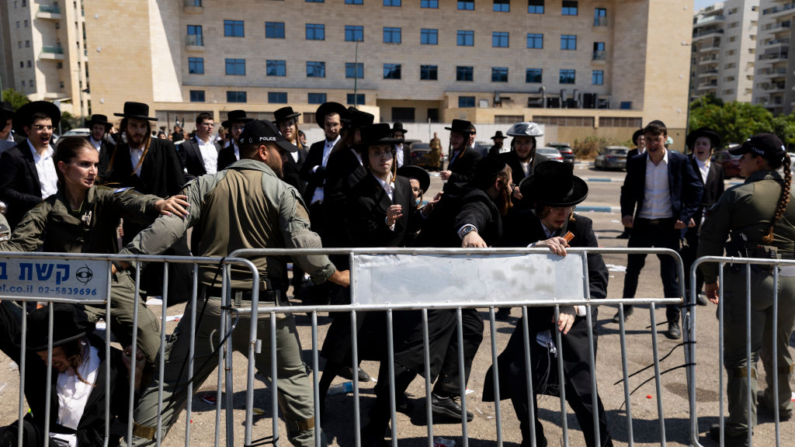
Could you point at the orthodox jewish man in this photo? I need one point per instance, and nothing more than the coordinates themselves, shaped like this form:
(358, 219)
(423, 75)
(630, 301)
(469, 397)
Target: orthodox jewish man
(235, 122)
(523, 157)
(463, 159)
(99, 126)
(552, 193)
(6, 121)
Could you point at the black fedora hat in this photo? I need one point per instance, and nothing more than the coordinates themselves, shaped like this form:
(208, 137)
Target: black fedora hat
(638, 133)
(6, 112)
(24, 114)
(487, 170)
(99, 119)
(236, 116)
(357, 118)
(136, 110)
(498, 135)
(70, 323)
(417, 173)
(377, 134)
(462, 126)
(284, 114)
(398, 127)
(554, 184)
(329, 108)
(713, 136)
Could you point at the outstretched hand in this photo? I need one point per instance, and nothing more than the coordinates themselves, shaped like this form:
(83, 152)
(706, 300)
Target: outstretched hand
(175, 204)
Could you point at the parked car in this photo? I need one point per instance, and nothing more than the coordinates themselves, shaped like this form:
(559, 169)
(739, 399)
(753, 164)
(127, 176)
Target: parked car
(421, 156)
(551, 153)
(483, 147)
(565, 150)
(730, 163)
(612, 157)
(79, 132)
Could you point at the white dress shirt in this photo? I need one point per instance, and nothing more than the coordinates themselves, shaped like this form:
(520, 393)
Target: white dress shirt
(45, 167)
(97, 144)
(399, 155)
(73, 394)
(656, 194)
(135, 157)
(209, 155)
(526, 168)
(704, 168)
(329, 145)
(389, 188)
(234, 146)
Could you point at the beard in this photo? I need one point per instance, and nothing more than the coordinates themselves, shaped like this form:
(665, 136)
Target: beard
(276, 166)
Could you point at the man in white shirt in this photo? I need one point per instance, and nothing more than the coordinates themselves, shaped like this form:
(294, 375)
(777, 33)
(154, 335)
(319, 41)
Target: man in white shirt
(199, 155)
(402, 154)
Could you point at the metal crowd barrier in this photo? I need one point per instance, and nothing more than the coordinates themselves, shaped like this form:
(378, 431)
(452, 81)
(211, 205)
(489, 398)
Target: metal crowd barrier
(748, 263)
(366, 300)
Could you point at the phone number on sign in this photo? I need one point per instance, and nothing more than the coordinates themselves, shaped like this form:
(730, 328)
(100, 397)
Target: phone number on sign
(68, 291)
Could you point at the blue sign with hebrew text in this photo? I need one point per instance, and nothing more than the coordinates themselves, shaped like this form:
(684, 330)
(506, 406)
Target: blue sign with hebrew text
(53, 280)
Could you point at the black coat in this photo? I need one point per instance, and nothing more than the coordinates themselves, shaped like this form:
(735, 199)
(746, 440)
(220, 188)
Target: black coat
(512, 160)
(458, 206)
(343, 173)
(713, 189)
(105, 152)
(19, 182)
(314, 179)
(292, 175)
(191, 158)
(161, 171)
(684, 185)
(463, 166)
(632, 153)
(226, 157)
(302, 154)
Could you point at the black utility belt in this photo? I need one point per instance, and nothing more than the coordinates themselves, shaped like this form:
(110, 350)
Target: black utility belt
(237, 294)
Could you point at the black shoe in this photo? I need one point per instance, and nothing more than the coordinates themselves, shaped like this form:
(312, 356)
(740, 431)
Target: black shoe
(768, 406)
(403, 404)
(729, 441)
(347, 373)
(448, 407)
(701, 300)
(673, 332)
(504, 314)
(624, 235)
(627, 312)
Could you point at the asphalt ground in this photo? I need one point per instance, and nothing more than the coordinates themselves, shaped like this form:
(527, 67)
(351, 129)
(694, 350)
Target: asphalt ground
(412, 428)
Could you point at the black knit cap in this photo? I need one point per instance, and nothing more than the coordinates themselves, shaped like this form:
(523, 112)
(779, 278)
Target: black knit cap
(765, 144)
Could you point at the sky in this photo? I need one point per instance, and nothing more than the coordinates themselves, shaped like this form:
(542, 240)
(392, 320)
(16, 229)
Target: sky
(702, 3)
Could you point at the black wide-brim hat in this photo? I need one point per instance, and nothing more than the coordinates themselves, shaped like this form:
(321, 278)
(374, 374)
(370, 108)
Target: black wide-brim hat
(637, 133)
(417, 173)
(498, 135)
(25, 113)
(487, 171)
(398, 127)
(714, 138)
(99, 119)
(462, 126)
(554, 184)
(328, 108)
(359, 119)
(137, 110)
(236, 116)
(375, 135)
(284, 114)
(70, 323)
(6, 112)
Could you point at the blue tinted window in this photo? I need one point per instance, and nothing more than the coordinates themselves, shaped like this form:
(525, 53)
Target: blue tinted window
(391, 71)
(429, 72)
(499, 40)
(316, 98)
(568, 42)
(277, 97)
(276, 68)
(567, 76)
(392, 35)
(196, 65)
(464, 73)
(233, 28)
(197, 96)
(466, 101)
(499, 74)
(465, 38)
(274, 30)
(354, 70)
(532, 75)
(236, 97)
(535, 41)
(359, 99)
(466, 5)
(315, 31)
(535, 6)
(429, 4)
(236, 67)
(429, 37)
(315, 69)
(502, 6)
(354, 33)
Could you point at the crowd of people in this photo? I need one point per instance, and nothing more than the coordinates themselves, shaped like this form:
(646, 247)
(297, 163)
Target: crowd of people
(137, 193)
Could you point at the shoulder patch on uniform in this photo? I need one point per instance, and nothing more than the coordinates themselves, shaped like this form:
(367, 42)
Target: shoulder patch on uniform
(118, 190)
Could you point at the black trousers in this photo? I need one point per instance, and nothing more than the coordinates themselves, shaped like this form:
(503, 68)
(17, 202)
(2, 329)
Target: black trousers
(660, 234)
(689, 254)
(450, 376)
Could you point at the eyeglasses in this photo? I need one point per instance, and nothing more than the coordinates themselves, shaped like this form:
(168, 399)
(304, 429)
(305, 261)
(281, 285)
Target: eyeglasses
(39, 127)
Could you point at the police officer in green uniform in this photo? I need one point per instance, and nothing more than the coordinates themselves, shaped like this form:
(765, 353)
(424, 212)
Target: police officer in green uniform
(82, 218)
(243, 206)
(759, 221)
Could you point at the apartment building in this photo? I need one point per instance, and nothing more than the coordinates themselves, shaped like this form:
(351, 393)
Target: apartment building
(774, 79)
(590, 67)
(43, 51)
(724, 50)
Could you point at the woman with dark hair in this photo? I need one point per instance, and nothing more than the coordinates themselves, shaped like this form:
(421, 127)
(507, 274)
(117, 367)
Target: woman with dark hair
(759, 220)
(82, 218)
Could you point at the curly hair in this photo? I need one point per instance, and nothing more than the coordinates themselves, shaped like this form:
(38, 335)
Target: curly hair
(784, 198)
(74, 355)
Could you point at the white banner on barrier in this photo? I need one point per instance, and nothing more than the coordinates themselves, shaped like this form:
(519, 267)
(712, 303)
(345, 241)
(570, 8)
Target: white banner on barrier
(51, 280)
(387, 279)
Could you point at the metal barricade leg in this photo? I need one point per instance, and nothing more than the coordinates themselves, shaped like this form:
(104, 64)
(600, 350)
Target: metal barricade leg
(531, 414)
(749, 364)
(162, 355)
(391, 359)
(134, 348)
(427, 354)
(355, 366)
(496, 373)
(624, 367)
(657, 378)
(315, 374)
(462, 377)
(564, 423)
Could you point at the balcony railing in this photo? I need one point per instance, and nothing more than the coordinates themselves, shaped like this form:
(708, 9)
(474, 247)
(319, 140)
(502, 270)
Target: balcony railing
(709, 19)
(779, 26)
(599, 55)
(773, 72)
(52, 50)
(600, 21)
(776, 9)
(195, 40)
(707, 32)
(777, 41)
(50, 9)
(774, 56)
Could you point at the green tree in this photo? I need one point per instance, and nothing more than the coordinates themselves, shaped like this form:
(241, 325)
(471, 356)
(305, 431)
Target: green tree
(16, 99)
(736, 121)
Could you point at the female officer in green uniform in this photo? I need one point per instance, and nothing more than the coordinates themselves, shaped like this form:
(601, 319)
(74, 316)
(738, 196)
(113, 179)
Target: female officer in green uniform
(757, 217)
(82, 218)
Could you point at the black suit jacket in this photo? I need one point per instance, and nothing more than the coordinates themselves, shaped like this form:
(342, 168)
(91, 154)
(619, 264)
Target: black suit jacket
(463, 167)
(369, 205)
(343, 173)
(19, 182)
(302, 154)
(684, 185)
(226, 157)
(313, 179)
(460, 205)
(632, 153)
(406, 154)
(713, 189)
(512, 160)
(161, 171)
(191, 158)
(105, 153)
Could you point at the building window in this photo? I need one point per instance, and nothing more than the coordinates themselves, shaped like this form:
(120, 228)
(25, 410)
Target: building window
(195, 36)
(197, 96)
(565, 121)
(395, 3)
(508, 119)
(535, 41)
(314, 1)
(499, 74)
(18, 24)
(600, 17)
(532, 76)
(354, 71)
(598, 77)
(277, 97)
(429, 73)
(354, 2)
(464, 73)
(21, 64)
(599, 51)
(316, 98)
(429, 37)
(499, 39)
(391, 35)
(568, 42)
(315, 69)
(274, 30)
(354, 33)
(276, 68)
(608, 121)
(19, 43)
(315, 31)
(60, 65)
(233, 28)
(433, 4)
(567, 76)
(569, 8)
(196, 65)
(26, 23)
(465, 38)
(502, 6)
(236, 67)
(24, 3)
(236, 97)
(466, 5)
(466, 101)
(355, 100)
(391, 71)
(27, 44)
